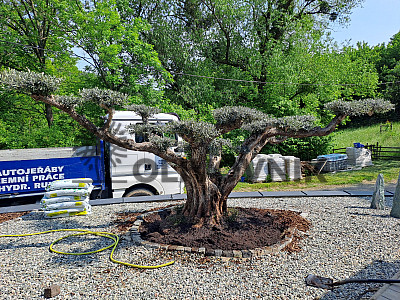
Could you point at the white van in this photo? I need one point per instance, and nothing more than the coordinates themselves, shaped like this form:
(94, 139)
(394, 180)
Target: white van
(116, 172)
(136, 173)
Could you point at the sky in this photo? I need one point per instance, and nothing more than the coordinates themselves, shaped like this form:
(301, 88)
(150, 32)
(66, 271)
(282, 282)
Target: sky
(375, 23)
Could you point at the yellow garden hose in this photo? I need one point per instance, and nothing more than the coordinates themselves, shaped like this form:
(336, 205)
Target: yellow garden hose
(109, 235)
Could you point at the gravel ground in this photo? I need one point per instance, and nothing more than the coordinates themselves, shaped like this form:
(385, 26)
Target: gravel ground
(347, 239)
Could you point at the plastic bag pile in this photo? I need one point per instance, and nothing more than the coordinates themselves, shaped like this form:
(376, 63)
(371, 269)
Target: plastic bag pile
(275, 166)
(68, 197)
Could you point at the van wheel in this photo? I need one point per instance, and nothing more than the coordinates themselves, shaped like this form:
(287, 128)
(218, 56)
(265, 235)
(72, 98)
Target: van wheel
(138, 192)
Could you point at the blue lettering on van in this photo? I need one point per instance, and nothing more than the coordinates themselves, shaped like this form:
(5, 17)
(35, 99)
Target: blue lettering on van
(34, 175)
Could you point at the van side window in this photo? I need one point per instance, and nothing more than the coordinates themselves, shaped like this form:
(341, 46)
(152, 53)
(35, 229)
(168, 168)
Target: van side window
(140, 138)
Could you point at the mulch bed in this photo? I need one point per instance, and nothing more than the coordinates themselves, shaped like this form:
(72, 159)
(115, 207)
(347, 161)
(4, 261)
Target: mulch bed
(244, 229)
(10, 216)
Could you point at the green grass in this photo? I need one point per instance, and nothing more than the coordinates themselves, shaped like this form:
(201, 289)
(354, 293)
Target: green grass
(389, 169)
(367, 135)
(345, 138)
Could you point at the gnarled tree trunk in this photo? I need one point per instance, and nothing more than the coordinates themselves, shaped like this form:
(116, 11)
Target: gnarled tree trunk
(205, 205)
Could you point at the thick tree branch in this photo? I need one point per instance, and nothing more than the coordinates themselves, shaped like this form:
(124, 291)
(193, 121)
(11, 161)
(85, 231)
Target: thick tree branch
(255, 142)
(316, 131)
(104, 133)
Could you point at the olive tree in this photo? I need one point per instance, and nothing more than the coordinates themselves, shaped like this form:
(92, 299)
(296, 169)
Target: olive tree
(207, 189)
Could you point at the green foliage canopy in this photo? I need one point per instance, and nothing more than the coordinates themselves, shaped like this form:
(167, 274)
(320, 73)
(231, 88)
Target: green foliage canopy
(207, 188)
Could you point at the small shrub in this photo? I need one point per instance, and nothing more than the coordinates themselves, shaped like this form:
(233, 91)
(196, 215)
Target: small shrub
(176, 217)
(231, 215)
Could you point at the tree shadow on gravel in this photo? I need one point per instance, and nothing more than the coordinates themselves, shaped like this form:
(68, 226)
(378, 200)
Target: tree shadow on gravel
(81, 244)
(383, 217)
(74, 244)
(84, 243)
(379, 269)
(12, 245)
(76, 222)
(369, 212)
(356, 207)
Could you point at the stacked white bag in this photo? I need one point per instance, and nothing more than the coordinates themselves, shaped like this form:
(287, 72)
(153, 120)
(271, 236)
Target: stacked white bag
(359, 157)
(293, 167)
(258, 169)
(68, 197)
(276, 165)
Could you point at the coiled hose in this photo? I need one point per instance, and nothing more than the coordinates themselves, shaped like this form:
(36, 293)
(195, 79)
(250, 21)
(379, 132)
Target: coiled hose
(109, 235)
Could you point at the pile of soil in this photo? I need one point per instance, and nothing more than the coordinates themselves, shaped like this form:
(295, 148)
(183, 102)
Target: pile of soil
(244, 229)
(10, 216)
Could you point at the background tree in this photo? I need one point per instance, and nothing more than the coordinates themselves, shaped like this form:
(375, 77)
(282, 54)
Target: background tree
(384, 58)
(275, 55)
(388, 65)
(116, 54)
(207, 189)
(236, 40)
(40, 35)
(29, 31)
(31, 39)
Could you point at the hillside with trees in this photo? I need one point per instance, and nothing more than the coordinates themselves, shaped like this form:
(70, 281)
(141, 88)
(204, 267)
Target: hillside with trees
(207, 188)
(189, 57)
